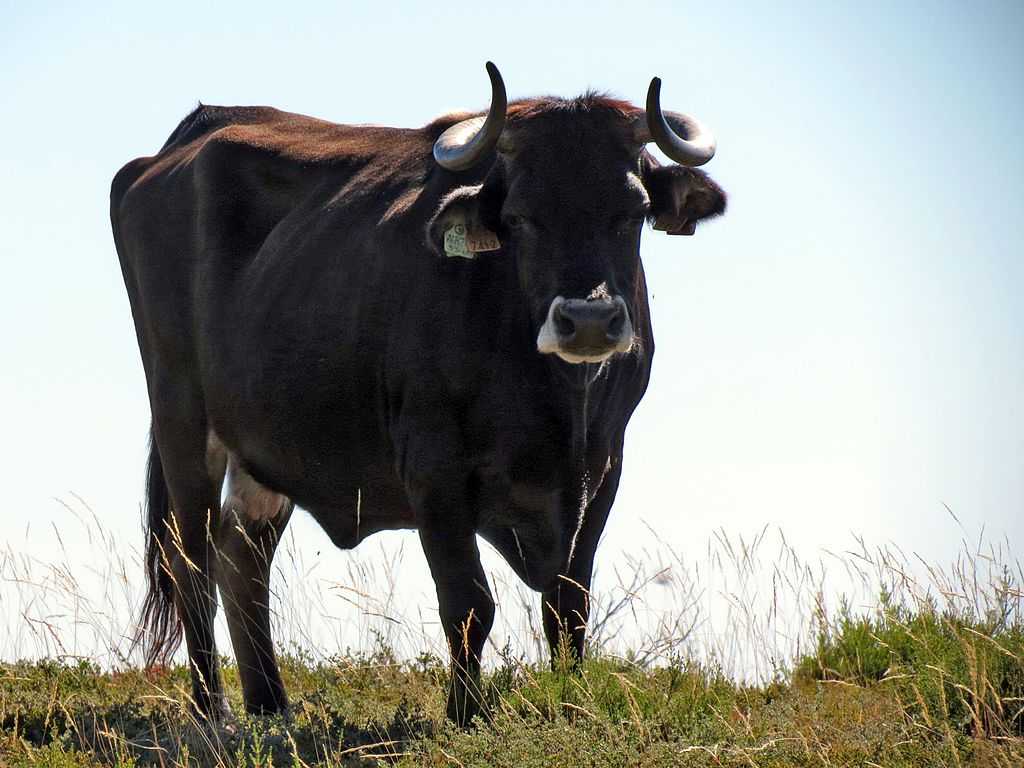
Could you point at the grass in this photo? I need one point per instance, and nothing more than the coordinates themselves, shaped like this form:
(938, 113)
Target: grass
(729, 662)
(376, 710)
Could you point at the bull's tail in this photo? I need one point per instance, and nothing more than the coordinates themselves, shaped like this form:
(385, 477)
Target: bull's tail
(159, 631)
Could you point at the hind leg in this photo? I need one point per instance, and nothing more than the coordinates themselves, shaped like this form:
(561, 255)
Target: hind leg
(252, 522)
(194, 487)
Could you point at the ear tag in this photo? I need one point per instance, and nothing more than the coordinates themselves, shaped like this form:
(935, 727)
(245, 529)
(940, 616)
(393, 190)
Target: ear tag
(455, 242)
(482, 239)
(458, 241)
(674, 224)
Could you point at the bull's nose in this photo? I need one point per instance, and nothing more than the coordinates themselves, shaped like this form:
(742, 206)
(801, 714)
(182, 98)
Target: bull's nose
(586, 323)
(586, 330)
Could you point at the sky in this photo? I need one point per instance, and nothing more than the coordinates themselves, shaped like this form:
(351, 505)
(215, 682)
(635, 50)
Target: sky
(841, 355)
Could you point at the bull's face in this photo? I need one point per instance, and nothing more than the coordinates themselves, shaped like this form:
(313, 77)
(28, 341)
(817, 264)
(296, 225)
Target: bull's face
(573, 220)
(567, 198)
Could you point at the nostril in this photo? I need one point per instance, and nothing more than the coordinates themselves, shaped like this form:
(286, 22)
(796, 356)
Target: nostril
(563, 325)
(617, 323)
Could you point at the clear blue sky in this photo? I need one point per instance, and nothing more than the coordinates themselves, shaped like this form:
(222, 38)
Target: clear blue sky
(843, 352)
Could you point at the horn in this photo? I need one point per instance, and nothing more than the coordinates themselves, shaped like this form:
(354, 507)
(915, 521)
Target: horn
(462, 145)
(686, 140)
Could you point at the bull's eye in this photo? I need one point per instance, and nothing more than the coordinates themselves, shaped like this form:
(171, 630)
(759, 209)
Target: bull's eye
(517, 222)
(628, 225)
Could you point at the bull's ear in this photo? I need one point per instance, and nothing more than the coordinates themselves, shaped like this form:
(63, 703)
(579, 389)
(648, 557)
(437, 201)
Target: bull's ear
(465, 222)
(681, 197)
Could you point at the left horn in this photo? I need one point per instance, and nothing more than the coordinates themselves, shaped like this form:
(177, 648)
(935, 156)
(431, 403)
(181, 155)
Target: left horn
(686, 140)
(462, 145)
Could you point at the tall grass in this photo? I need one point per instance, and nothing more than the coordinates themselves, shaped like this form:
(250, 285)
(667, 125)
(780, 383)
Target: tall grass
(749, 655)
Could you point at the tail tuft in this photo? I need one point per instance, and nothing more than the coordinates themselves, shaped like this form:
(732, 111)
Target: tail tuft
(159, 631)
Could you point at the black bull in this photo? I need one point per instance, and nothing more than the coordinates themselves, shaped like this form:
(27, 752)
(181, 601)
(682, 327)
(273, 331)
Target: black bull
(332, 317)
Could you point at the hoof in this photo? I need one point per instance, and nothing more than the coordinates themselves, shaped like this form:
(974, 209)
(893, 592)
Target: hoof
(464, 703)
(264, 708)
(210, 707)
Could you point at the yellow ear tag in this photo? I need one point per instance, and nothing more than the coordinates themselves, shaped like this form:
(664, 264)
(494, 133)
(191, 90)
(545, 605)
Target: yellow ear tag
(480, 240)
(458, 241)
(455, 242)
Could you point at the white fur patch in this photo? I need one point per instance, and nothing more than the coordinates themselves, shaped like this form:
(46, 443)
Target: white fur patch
(216, 457)
(247, 498)
(547, 339)
(634, 181)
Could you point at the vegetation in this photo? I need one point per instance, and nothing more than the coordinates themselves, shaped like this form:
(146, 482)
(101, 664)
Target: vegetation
(375, 710)
(930, 673)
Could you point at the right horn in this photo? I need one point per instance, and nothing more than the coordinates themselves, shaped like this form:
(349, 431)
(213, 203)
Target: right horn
(686, 140)
(462, 145)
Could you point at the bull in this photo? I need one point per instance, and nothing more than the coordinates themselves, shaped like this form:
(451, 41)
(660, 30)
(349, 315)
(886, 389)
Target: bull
(443, 329)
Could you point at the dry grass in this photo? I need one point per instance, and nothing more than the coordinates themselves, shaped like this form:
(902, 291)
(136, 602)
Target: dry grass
(750, 656)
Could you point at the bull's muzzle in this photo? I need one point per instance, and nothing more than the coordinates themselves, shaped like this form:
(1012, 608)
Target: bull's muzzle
(586, 330)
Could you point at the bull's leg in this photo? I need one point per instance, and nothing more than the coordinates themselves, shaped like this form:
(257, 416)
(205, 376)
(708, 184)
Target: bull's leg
(188, 543)
(467, 612)
(245, 546)
(566, 607)
(196, 603)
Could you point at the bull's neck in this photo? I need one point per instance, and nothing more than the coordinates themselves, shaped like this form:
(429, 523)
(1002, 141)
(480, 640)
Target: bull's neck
(579, 380)
(579, 422)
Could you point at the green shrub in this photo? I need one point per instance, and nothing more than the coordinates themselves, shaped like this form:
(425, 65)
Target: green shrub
(951, 672)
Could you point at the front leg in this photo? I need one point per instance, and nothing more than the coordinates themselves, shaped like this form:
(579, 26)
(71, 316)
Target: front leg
(566, 606)
(466, 608)
(442, 496)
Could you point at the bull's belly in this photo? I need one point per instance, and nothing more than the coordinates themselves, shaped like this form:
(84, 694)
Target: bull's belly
(347, 488)
(534, 528)
(337, 463)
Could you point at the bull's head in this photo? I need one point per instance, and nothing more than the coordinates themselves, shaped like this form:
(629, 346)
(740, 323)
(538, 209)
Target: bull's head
(568, 195)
